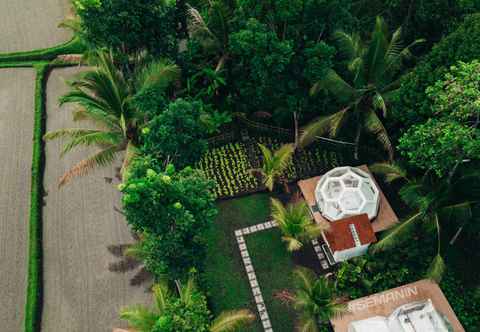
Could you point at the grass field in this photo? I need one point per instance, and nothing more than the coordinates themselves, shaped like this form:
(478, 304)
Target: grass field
(224, 276)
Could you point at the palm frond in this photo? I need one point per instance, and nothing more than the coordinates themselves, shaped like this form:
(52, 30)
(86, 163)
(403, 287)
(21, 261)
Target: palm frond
(283, 156)
(379, 104)
(391, 171)
(307, 324)
(101, 158)
(160, 73)
(293, 244)
(139, 318)
(436, 269)
(100, 138)
(69, 132)
(397, 234)
(375, 126)
(186, 291)
(304, 278)
(375, 56)
(336, 85)
(328, 125)
(97, 117)
(161, 295)
(131, 152)
(458, 213)
(347, 44)
(229, 321)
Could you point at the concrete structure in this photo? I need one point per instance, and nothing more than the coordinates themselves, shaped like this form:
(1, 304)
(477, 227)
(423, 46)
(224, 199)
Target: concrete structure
(349, 237)
(419, 306)
(347, 191)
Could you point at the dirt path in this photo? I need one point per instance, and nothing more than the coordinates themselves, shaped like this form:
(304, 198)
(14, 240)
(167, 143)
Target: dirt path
(81, 295)
(30, 24)
(16, 128)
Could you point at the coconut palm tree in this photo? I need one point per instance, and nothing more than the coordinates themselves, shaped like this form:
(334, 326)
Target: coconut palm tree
(295, 222)
(212, 29)
(275, 163)
(434, 202)
(102, 96)
(143, 319)
(372, 75)
(316, 299)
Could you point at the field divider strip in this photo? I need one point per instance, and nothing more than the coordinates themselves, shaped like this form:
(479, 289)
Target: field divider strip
(33, 303)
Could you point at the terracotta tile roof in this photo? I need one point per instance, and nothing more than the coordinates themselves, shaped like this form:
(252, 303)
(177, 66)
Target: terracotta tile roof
(340, 235)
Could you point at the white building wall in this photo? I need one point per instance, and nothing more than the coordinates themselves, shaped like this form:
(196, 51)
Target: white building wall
(344, 255)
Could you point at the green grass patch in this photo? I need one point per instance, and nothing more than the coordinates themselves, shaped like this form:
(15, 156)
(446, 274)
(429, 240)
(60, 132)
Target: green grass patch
(274, 269)
(34, 278)
(73, 46)
(224, 277)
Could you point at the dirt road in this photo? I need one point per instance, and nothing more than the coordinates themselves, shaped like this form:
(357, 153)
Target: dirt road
(30, 24)
(16, 133)
(80, 294)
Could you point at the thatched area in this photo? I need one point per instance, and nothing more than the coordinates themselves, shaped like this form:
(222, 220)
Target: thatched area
(26, 24)
(16, 133)
(81, 294)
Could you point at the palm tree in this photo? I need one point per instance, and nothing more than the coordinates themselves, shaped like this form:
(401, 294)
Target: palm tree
(275, 163)
(143, 319)
(296, 224)
(213, 31)
(315, 298)
(102, 95)
(372, 75)
(434, 202)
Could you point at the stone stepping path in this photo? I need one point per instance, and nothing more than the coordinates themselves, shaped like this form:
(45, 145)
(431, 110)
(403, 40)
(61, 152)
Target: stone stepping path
(249, 269)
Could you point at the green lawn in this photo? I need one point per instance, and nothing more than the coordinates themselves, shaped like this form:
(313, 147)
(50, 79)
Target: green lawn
(273, 267)
(224, 277)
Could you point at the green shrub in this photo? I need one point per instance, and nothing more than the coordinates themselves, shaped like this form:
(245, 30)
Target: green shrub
(176, 134)
(73, 46)
(173, 209)
(412, 104)
(34, 276)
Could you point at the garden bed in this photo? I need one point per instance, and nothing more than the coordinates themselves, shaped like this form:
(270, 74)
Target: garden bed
(230, 165)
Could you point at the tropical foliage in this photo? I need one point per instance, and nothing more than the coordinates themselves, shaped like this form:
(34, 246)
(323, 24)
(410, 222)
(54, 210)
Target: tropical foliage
(373, 70)
(102, 96)
(274, 163)
(296, 224)
(435, 203)
(184, 203)
(181, 309)
(316, 299)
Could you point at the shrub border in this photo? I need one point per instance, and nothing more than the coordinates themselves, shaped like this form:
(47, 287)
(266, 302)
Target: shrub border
(33, 303)
(72, 46)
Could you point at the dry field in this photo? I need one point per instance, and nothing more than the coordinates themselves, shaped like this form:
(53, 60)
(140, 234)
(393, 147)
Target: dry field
(30, 24)
(16, 128)
(80, 294)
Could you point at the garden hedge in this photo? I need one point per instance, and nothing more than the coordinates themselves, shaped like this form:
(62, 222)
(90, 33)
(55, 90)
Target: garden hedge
(71, 47)
(412, 105)
(33, 302)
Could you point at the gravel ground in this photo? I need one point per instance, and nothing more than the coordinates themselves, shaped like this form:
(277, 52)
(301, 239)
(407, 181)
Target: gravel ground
(16, 128)
(81, 295)
(30, 24)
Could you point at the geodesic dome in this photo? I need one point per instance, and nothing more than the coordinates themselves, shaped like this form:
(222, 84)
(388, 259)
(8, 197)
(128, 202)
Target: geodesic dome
(347, 191)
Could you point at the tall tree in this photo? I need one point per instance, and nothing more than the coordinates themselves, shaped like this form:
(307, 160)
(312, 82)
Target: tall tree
(183, 309)
(102, 96)
(296, 224)
(371, 75)
(434, 202)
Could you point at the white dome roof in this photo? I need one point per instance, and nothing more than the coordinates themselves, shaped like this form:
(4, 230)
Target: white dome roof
(345, 192)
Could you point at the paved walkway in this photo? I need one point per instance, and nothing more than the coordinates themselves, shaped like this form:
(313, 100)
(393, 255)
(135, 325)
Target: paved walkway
(16, 134)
